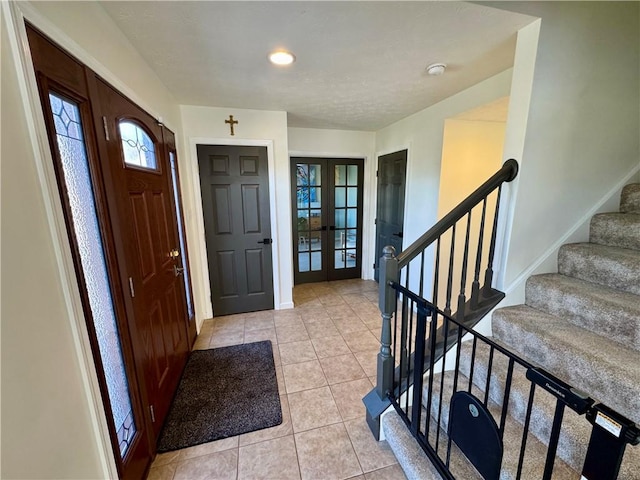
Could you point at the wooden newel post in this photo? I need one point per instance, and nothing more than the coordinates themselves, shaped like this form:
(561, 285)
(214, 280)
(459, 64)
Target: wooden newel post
(387, 304)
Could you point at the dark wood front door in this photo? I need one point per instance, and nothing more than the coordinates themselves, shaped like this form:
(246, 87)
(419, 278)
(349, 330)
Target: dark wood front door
(234, 183)
(327, 218)
(392, 177)
(141, 200)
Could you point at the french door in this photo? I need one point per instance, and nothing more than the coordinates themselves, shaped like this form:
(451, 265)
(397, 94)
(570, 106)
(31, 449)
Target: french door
(327, 218)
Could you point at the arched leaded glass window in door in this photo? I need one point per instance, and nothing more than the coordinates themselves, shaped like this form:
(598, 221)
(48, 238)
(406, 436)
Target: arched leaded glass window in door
(86, 231)
(137, 146)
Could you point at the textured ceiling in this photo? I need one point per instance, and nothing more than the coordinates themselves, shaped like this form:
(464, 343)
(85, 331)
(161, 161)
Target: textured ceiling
(360, 65)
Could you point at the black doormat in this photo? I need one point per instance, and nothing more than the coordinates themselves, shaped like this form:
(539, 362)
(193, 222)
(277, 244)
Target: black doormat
(223, 392)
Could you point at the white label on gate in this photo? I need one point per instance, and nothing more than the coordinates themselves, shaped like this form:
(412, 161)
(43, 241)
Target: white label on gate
(608, 424)
(582, 477)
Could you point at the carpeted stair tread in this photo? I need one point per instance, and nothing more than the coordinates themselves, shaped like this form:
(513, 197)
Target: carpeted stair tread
(614, 267)
(535, 453)
(630, 198)
(616, 230)
(576, 430)
(603, 310)
(411, 457)
(609, 372)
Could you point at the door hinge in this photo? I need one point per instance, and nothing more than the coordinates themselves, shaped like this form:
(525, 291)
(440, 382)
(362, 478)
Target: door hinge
(106, 130)
(153, 414)
(374, 265)
(376, 170)
(131, 290)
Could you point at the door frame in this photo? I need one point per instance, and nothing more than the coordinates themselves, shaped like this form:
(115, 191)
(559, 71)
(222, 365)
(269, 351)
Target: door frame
(201, 286)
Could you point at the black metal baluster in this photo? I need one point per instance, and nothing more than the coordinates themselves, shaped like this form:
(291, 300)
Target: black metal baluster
(488, 276)
(463, 277)
(432, 334)
(447, 308)
(421, 273)
(444, 357)
(488, 382)
(505, 399)
(475, 286)
(473, 361)
(553, 440)
(418, 368)
(525, 431)
(436, 274)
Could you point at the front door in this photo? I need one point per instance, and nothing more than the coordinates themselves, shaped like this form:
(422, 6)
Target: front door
(234, 183)
(392, 174)
(140, 195)
(327, 218)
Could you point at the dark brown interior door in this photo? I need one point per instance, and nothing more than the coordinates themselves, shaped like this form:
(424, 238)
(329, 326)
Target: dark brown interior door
(139, 193)
(234, 181)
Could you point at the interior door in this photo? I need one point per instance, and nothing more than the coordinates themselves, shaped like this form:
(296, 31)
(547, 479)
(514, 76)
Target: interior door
(234, 183)
(327, 218)
(141, 199)
(392, 174)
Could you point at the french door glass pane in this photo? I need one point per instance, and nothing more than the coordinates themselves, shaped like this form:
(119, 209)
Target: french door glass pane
(309, 218)
(77, 180)
(176, 196)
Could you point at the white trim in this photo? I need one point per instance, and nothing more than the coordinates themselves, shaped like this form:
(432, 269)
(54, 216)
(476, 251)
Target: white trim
(199, 244)
(16, 12)
(576, 226)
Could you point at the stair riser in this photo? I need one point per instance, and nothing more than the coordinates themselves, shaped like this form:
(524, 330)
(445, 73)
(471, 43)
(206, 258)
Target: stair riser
(630, 199)
(616, 230)
(605, 382)
(614, 316)
(618, 270)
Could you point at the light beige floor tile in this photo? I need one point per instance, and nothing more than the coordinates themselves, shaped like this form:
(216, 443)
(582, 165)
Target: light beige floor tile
(261, 334)
(307, 302)
(341, 369)
(260, 314)
(280, 378)
(331, 299)
(202, 343)
(217, 466)
(314, 314)
(394, 472)
(277, 361)
(361, 341)
(163, 472)
(326, 454)
(350, 325)
(285, 428)
(303, 376)
(165, 458)
(372, 454)
(286, 317)
(225, 339)
(228, 327)
(269, 460)
(291, 333)
(209, 448)
(312, 409)
(368, 360)
(296, 352)
(355, 299)
(258, 323)
(330, 346)
(340, 311)
(322, 329)
(348, 397)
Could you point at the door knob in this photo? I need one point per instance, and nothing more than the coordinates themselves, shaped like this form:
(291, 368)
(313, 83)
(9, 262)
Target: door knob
(266, 241)
(175, 253)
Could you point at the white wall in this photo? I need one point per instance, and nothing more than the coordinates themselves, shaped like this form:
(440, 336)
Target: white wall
(422, 134)
(206, 125)
(53, 423)
(583, 128)
(311, 142)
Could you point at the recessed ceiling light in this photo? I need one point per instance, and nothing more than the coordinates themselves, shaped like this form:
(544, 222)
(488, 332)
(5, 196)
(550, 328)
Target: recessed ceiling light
(282, 57)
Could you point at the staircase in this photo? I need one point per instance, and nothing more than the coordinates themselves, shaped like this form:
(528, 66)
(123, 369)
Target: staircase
(583, 325)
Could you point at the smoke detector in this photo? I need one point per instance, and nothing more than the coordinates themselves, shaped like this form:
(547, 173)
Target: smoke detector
(436, 69)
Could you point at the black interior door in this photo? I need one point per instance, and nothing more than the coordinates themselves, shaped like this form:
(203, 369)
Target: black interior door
(327, 218)
(234, 182)
(392, 176)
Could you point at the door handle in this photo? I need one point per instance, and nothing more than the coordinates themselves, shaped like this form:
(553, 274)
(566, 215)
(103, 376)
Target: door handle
(266, 241)
(332, 228)
(178, 270)
(399, 234)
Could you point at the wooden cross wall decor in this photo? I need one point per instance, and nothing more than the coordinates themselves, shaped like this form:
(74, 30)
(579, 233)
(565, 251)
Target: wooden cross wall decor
(231, 123)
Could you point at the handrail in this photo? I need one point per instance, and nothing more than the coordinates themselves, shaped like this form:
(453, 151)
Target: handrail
(471, 300)
(507, 173)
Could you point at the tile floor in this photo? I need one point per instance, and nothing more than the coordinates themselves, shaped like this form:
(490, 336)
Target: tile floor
(325, 354)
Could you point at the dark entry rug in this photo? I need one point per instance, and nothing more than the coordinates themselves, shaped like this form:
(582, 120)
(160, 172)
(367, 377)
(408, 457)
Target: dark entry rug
(223, 392)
